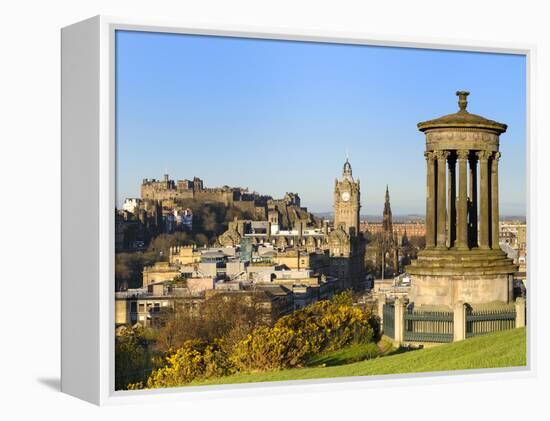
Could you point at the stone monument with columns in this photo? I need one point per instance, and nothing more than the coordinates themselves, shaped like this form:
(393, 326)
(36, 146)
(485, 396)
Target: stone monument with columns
(462, 260)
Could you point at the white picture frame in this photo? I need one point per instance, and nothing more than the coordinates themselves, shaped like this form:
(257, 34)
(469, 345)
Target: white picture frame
(88, 197)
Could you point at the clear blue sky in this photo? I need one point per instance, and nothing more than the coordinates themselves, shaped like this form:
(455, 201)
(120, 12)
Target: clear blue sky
(278, 116)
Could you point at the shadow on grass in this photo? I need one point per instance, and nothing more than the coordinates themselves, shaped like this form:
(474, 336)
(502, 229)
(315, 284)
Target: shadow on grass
(331, 361)
(401, 350)
(347, 355)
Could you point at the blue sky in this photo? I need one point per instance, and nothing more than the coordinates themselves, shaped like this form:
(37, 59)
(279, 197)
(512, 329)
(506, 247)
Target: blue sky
(278, 116)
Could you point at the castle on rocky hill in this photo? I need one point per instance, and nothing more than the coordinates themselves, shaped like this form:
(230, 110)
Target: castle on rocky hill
(170, 193)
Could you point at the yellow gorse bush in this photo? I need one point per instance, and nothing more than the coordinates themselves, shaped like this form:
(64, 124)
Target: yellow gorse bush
(295, 338)
(325, 325)
(329, 326)
(195, 359)
(269, 349)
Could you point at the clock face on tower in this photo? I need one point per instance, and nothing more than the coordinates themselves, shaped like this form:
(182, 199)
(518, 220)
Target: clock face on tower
(345, 196)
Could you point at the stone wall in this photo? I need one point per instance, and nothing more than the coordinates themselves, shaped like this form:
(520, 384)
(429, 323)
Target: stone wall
(121, 312)
(160, 271)
(448, 290)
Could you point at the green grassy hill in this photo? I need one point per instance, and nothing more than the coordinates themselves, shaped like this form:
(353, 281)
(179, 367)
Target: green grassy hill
(502, 349)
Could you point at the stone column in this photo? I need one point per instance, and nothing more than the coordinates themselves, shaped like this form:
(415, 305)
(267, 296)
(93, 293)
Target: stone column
(494, 202)
(472, 212)
(483, 198)
(399, 320)
(462, 217)
(451, 202)
(459, 321)
(441, 157)
(520, 312)
(430, 199)
(381, 300)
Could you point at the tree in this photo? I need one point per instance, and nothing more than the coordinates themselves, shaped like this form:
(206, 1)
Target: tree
(129, 269)
(130, 359)
(419, 242)
(220, 317)
(201, 240)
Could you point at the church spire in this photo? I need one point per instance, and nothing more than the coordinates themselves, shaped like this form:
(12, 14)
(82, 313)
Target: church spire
(387, 221)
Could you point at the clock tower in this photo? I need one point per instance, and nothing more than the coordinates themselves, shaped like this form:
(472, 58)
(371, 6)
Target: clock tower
(347, 202)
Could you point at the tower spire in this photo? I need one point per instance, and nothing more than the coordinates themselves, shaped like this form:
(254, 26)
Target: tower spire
(387, 217)
(347, 173)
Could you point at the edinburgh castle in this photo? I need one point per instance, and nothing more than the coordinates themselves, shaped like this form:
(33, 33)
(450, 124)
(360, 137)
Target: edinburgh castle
(170, 193)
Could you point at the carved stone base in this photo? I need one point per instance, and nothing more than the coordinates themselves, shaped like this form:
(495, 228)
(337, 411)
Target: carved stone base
(443, 278)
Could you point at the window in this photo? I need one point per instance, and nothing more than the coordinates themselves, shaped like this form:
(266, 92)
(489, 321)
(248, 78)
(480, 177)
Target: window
(133, 307)
(156, 307)
(141, 308)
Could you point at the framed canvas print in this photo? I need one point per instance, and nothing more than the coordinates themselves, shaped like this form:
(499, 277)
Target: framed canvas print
(245, 208)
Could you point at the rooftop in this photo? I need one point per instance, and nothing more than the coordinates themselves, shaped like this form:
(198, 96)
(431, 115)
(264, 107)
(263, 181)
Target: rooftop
(462, 119)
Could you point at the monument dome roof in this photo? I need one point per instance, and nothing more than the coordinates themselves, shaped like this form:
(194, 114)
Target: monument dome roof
(462, 119)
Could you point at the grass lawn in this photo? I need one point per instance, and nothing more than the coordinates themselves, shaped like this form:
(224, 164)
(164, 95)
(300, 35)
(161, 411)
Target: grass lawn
(347, 355)
(502, 349)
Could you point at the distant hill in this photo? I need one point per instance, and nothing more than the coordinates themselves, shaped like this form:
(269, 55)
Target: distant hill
(410, 217)
(376, 218)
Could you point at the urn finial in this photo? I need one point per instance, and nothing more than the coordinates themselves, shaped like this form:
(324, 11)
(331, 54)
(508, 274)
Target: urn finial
(462, 99)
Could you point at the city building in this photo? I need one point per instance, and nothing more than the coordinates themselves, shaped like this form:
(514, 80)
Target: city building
(340, 249)
(409, 229)
(130, 204)
(185, 255)
(513, 240)
(159, 272)
(289, 258)
(149, 306)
